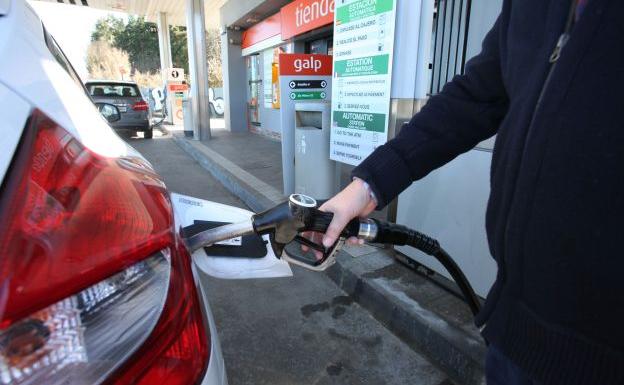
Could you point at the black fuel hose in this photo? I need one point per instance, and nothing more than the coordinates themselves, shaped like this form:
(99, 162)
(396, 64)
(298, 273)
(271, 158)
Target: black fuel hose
(400, 235)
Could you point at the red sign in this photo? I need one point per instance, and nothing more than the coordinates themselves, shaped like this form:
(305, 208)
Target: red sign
(177, 87)
(304, 64)
(265, 29)
(305, 15)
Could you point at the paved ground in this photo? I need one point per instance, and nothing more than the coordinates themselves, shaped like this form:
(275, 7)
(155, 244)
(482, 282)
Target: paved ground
(267, 168)
(299, 330)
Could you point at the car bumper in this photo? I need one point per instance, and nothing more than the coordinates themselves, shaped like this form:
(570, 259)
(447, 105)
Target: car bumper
(134, 125)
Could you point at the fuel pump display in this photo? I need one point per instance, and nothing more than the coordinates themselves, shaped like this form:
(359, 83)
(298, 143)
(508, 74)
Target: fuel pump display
(286, 222)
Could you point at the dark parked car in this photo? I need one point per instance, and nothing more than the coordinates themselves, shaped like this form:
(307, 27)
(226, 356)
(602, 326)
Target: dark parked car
(135, 111)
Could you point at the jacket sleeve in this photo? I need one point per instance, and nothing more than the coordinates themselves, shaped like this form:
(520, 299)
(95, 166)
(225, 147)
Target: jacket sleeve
(468, 110)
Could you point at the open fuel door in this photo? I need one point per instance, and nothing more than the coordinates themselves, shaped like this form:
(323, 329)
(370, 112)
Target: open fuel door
(239, 258)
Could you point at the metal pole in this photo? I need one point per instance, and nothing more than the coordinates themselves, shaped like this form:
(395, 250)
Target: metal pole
(164, 44)
(164, 48)
(198, 68)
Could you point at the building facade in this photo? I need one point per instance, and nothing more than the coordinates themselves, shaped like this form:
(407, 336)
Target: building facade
(432, 40)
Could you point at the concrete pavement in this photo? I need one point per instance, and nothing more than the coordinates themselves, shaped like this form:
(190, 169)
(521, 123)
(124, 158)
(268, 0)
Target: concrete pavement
(299, 330)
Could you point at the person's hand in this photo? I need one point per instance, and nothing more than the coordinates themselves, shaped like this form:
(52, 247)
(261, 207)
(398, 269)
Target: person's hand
(354, 201)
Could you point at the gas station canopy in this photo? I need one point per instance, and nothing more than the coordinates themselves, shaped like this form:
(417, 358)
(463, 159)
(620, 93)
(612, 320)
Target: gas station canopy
(175, 9)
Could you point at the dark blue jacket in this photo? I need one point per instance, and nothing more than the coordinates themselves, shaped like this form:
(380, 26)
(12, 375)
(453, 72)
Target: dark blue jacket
(555, 218)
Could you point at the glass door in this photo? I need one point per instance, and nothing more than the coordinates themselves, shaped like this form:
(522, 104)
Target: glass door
(254, 92)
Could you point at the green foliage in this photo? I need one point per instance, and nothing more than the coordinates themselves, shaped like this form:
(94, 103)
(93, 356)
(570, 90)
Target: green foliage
(139, 38)
(179, 49)
(105, 29)
(213, 58)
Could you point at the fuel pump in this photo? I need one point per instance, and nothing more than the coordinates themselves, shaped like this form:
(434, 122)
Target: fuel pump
(285, 223)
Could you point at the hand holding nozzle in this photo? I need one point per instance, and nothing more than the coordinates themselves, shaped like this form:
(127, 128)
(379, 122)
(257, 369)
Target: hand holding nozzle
(355, 201)
(284, 224)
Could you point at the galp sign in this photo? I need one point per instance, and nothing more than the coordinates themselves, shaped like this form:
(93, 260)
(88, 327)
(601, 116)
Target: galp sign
(305, 64)
(310, 63)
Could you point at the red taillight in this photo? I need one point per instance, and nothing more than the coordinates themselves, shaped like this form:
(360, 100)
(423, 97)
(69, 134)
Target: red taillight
(172, 354)
(71, 222)
(140, 106)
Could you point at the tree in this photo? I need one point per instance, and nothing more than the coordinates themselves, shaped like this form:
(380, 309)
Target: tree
(213, 59)
(179, 48)
(139, 38)
(106, 28)
(107, 62)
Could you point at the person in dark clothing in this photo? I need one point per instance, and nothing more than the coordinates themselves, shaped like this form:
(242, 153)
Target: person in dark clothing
(548, 82)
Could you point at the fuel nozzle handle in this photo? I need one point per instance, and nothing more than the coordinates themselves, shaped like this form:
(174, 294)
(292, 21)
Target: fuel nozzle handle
(375, 231)
(320, 220)
(300, 214)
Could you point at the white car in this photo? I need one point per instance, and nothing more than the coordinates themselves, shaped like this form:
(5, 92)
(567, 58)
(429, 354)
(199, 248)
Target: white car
(96, 285)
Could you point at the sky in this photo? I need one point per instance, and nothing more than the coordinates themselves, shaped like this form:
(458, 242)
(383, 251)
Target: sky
(73, 37)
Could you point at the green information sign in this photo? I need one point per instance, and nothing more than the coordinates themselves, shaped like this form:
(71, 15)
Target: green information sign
(361, 9)
(362, 66)
(360, 121)
(308, 95)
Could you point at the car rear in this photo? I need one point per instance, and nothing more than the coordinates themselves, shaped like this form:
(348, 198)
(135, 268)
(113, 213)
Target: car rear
(95, 284)
(134, 110)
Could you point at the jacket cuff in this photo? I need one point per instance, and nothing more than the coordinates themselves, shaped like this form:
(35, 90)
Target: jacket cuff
(386, 173)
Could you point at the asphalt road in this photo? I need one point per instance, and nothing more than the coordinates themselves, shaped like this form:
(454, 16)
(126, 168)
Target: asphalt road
(299, 330)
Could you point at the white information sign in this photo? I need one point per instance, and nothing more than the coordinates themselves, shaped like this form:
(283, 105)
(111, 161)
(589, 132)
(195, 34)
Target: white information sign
(175, 74)
(362, 74)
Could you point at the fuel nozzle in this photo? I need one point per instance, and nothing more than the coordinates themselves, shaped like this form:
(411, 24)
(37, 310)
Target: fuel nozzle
(287, 219)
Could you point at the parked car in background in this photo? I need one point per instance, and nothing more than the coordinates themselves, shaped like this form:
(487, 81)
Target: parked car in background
(134, 109)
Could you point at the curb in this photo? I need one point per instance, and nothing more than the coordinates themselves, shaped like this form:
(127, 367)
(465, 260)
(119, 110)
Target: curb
(458, 353)
(257, 195)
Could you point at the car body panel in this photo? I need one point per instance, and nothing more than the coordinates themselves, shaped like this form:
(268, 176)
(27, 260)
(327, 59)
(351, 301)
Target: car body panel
(32, 78)
(11, 125)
